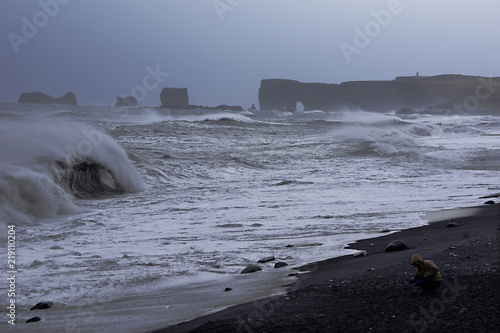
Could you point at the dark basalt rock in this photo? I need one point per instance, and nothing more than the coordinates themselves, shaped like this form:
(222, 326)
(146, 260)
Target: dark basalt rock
(175, 98)
(33, 319)
(452, 225)
(280, 264)
(251, 269)
(266, 259)
(39, 98)
(42, 306)
(489, 202)
(396, 245)
(225, 107)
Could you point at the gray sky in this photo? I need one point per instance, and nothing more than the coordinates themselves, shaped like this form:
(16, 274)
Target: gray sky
(220, 50)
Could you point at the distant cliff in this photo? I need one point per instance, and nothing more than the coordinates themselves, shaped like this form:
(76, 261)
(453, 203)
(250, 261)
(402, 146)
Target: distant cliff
(471, 93)
(39, 98)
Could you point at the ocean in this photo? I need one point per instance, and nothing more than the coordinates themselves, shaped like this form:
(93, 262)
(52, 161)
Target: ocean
(117, 203)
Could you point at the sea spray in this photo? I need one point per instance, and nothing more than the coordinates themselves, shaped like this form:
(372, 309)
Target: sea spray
(44, 162)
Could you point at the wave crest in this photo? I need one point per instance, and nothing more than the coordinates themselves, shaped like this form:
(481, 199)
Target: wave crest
(46, 164)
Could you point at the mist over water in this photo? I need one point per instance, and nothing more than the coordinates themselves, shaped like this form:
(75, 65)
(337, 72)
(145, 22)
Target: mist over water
(112, 203)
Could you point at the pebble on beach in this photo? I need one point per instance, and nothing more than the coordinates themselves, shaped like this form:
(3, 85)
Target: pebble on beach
(452, 225)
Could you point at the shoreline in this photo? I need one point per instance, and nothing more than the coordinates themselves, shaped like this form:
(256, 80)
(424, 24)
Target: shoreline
(464, 254)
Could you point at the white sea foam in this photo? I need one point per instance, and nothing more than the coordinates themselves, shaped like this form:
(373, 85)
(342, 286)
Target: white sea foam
(35, 156)
(359, 116)
(216, 117)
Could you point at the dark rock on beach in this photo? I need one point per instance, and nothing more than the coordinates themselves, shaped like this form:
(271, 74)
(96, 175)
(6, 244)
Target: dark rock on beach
(452, 225)
(42, 306)
(280, 264)
(489, 202)
(396, 245)
(33, 319)
(251, 269)
(266, 259)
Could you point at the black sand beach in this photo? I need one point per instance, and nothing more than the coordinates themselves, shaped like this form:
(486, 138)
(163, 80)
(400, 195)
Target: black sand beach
(372, 294)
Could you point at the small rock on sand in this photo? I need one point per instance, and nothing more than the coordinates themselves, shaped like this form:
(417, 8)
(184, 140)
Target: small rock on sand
(396, 245)
(280, 264)
(42, 306)
(33, 319)
(251, 269)
(452, 225)
(266, 259)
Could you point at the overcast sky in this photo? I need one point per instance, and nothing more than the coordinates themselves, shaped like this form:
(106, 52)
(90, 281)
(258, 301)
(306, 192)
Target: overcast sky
(220, 50)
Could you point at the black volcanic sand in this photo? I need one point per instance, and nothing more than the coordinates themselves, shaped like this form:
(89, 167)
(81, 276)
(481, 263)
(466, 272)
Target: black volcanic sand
(372, 293)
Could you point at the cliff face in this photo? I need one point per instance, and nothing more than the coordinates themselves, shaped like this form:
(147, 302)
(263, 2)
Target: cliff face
(403, 92)
(174, 98)
(39, 98)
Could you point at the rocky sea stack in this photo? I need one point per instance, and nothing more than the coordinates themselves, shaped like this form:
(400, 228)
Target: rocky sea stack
(40, 98)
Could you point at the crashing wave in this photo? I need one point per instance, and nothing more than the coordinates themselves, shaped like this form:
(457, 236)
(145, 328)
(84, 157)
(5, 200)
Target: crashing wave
(44, 165)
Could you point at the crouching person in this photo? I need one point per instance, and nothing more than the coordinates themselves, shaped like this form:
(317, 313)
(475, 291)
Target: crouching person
(427, 274)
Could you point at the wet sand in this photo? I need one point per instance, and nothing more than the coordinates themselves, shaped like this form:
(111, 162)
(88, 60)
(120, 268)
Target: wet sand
(372, 294)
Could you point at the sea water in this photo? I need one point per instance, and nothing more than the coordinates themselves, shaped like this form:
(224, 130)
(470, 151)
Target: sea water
(110, 203)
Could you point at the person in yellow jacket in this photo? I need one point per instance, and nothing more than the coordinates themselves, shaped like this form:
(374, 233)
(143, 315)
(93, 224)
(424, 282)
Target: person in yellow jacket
(427, 274)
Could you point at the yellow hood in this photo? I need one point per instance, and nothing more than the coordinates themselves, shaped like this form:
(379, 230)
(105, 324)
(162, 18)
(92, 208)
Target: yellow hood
(416, 260)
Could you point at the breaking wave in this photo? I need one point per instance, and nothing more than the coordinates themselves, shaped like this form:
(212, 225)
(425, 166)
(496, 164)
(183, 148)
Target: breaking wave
(45, 165)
